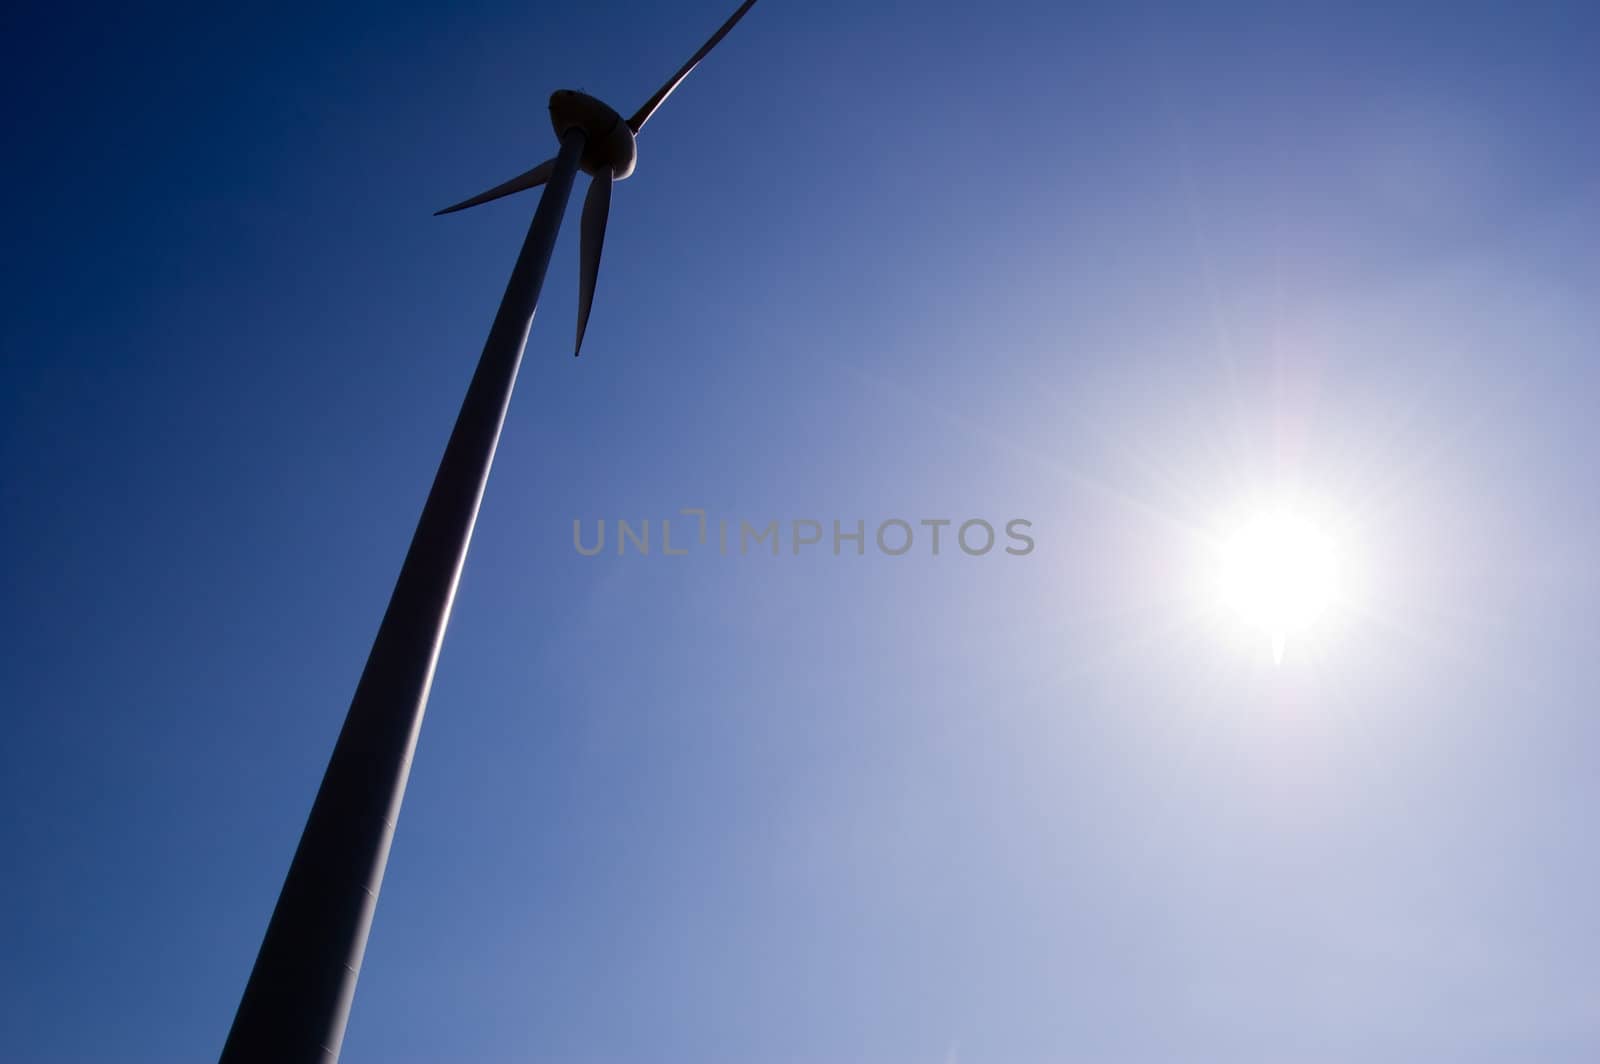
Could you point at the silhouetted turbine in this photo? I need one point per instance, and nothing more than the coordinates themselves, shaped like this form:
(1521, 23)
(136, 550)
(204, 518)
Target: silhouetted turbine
(297, 1002)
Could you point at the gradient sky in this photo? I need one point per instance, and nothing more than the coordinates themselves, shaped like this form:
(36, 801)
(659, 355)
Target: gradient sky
(1123, 271)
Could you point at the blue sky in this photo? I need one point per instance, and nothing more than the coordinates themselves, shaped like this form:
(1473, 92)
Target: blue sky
(1120, 270)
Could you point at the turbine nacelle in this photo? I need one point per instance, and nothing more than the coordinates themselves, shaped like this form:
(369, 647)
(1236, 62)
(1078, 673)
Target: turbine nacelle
(608, 142)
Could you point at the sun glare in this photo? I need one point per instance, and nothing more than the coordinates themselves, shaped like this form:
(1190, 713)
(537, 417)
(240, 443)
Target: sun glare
(1279, 574)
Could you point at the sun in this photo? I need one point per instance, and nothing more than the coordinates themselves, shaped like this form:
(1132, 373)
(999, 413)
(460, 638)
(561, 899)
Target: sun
(1279, 573)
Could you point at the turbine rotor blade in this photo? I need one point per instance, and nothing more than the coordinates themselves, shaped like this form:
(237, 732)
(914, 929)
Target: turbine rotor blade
(596, 209)
(537, 176)
(642, 115)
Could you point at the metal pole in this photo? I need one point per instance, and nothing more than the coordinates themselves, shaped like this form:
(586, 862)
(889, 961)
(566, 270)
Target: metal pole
(297, 1002)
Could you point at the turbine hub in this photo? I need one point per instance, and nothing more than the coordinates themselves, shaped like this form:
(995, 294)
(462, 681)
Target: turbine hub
(610, 141)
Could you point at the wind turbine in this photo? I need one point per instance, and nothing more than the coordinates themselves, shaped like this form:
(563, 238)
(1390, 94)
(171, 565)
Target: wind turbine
(297, 1003)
